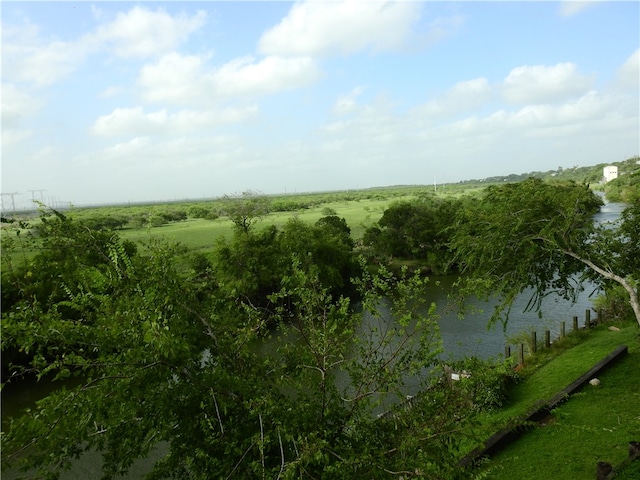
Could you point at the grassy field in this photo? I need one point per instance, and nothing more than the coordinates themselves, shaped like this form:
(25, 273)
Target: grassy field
(362, 211)
(594, 425)
(201, 235)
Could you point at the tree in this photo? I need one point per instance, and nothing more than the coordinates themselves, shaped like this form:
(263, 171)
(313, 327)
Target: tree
(252, 264)
(542, 236)
(415, 230)
(246, 209)
(159, 362)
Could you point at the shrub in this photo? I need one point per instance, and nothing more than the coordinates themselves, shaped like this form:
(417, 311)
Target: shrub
(486, 384)
(614, 304)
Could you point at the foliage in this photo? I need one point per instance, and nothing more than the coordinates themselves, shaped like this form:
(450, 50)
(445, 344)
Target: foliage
(202, 211)
(167, 355)
(252, 265)
(249, 265)
(246, 209)
(625, 188)
(517, 237)
(485, 384)
(414, 229)
(613, 304)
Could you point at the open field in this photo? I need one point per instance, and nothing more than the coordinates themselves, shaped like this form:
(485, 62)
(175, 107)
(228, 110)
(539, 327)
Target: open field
(201, 234)
(360, 208)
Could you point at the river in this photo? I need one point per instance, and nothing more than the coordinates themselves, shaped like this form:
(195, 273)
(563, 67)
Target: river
(461, 338)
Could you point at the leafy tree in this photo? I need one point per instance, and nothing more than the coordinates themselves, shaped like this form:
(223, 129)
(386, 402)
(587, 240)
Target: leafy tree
(156, 220)
(159, 362)
(326, 248)
(252, 265)
(328, 211)
(246, 209)
(106, 222)
(414, 229)
(541, 236)
(625, 188)
(200, 211)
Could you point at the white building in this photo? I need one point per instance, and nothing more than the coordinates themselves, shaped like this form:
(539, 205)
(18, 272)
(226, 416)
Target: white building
(610, 173)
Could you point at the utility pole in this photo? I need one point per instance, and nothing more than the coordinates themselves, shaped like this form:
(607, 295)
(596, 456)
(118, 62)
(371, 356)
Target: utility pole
(13, 203)
(33, 196)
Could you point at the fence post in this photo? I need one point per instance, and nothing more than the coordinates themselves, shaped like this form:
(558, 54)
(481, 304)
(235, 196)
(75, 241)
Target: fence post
(507, 351)
(600, 319)
(575, 323)
(603, 470)
(563, 330)
(587, 318)
(547, 338)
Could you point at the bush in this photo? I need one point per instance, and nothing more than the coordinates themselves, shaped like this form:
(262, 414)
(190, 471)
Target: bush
(156, 220)
(486, 384)
(614, 304)
(198, 211)
(328, 211)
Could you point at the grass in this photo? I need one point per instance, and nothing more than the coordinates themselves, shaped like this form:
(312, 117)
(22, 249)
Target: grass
(594, 425)
(201, 234)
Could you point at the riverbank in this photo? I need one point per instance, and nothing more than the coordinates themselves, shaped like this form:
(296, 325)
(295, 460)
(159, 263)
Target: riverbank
(594, 425)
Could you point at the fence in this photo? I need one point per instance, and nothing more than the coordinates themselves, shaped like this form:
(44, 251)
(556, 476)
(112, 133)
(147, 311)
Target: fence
(533, 341)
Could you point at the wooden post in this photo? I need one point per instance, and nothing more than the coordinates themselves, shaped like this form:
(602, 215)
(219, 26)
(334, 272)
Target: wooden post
(447, 375)
(634, 450)
(547, 339)
(600, 319)
(603, 471)
(507, 351)
(575, 323)
(563, 330)
(534, 343)
(587, 318)
(521, 354)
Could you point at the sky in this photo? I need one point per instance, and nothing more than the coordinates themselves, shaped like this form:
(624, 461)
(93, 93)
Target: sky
(119, 102)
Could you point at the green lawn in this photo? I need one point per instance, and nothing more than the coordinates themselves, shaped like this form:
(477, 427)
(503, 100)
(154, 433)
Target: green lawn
(594, 425)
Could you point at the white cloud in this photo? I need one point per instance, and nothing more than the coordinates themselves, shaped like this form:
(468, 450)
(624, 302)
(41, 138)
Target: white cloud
(245, 76)
(16, 105)
(127, 149)
(319, 28)
(175, 78)
(13, 136)
(569, 8)
(542, 84)
(574, 121)
(183, 155)
(27, 58)
(463, 96)
(134, 121)
(142, 32)
(628, 75)
(591, 112)
(347, 103)
(111, 92)
(188, 79)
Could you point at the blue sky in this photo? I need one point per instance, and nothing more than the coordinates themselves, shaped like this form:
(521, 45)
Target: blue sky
(150, 101)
